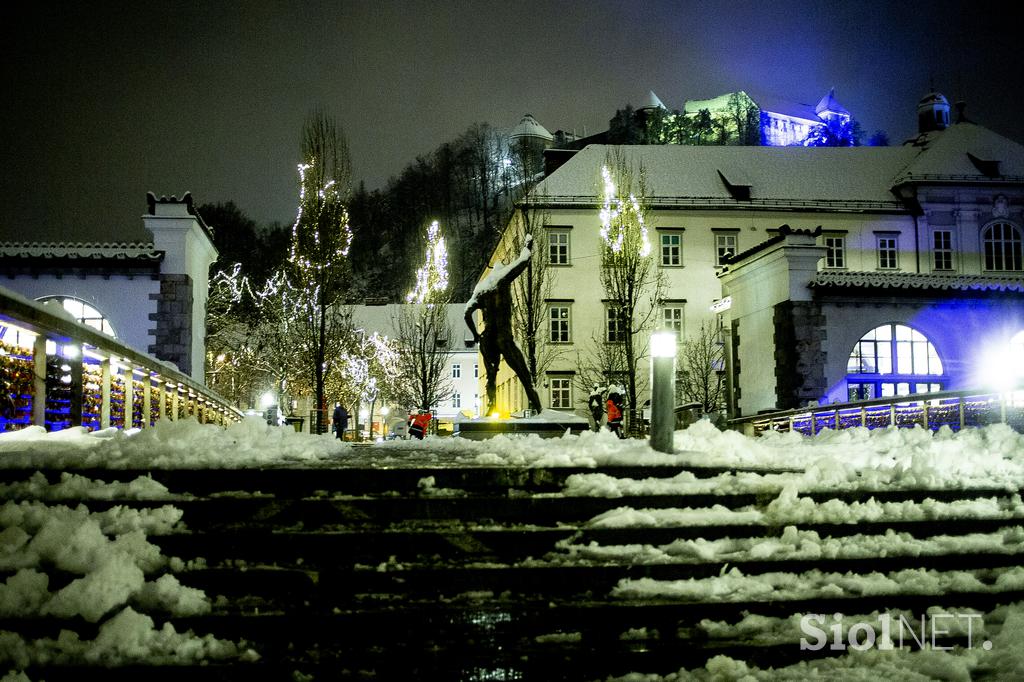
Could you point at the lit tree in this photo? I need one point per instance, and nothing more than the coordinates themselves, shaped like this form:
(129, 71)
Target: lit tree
(424, 331)
(632, 283)
(303, 302)
(838, 131)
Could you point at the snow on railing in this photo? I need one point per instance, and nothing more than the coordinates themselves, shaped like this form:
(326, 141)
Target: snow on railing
(955, 409)
(58, 373)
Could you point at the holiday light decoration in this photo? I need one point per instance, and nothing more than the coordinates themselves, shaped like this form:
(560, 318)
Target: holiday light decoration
(617, 214)
(432, 277)
(320, 212)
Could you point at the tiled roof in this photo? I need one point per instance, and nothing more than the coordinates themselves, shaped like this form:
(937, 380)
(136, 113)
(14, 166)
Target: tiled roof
(914, 280)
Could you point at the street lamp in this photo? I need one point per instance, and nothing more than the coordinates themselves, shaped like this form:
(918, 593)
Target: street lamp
(663, 390)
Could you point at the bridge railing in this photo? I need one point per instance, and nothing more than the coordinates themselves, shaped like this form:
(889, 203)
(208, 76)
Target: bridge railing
(955, 409)
(58, 373)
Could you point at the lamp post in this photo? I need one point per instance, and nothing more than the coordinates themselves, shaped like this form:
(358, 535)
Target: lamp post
(663, 390)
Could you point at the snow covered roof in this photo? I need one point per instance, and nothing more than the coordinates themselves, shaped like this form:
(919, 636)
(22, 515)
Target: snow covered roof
(652, 101)
(775, 105)
(856, 178)
(383, 319)
(529, 127)
(765, 103)
(828, 103)
(914, 280)
(966, 152)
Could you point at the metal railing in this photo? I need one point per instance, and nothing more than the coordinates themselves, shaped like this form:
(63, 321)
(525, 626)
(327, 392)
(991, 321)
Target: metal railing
(58, 373)
(955, 409)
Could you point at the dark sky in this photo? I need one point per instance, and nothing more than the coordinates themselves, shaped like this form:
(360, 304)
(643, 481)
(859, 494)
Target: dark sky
(104, 103)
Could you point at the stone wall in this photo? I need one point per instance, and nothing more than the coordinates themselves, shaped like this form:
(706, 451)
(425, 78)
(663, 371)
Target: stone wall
(173, 333)
(799, 356)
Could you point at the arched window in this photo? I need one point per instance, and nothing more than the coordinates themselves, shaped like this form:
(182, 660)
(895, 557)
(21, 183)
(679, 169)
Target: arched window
(1002, 244)
(892, 360)
(84, 313)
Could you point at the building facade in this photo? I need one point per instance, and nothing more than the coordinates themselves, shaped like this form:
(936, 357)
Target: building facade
(144, 283)
(831, 273)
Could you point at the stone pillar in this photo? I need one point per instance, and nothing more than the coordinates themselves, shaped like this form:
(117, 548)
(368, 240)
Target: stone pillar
(173, 332)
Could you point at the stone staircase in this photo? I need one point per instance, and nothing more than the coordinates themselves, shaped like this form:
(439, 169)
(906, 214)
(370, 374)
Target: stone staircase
(467, 574)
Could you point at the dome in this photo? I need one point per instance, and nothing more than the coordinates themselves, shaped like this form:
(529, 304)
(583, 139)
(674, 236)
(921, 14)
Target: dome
(528, 127)
(932, 113)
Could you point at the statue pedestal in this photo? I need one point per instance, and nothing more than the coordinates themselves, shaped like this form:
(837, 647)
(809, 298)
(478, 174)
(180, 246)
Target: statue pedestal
(548, 424)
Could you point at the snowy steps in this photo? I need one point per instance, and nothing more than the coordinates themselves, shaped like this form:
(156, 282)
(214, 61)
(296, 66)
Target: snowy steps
(339, 572)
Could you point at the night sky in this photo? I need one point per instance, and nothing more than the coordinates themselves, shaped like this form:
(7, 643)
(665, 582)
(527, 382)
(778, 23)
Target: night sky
(104, 104)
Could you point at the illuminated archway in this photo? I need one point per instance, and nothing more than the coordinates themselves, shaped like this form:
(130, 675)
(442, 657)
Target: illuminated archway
(890, 360)
(84, 313)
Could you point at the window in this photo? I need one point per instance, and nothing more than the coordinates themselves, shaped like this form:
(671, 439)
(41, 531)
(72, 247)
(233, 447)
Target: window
(561, 393)
(835, 254)
(942, 250)
(456, 371)
(1002, 243)
(558, 247)
(671, 249)
(476, 370)
(725, 246)
(672, 318)
(615, 325)
(558, 324)
(457, 400)
(887, 252)
(892, 360)
(84, 313)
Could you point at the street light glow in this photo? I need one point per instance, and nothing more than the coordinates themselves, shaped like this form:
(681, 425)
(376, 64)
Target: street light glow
(663, 344)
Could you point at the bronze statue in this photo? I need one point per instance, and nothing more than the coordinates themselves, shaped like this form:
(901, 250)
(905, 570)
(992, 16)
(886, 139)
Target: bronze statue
(493, 297)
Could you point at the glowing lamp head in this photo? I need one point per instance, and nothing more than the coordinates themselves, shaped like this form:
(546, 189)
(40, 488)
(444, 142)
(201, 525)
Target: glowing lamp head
(663, 344)
(1002, 370)
(268, 399)
(71, 352)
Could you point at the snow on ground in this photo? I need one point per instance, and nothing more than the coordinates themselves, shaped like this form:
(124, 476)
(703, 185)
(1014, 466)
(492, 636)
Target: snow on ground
(168, 445)
(113, 568)
(117, 573)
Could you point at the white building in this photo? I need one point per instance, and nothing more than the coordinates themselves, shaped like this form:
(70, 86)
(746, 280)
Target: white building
(463, 368)
(144, 283)
(897, 266)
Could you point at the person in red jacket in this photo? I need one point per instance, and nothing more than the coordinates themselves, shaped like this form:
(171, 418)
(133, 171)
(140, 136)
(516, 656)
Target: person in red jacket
(614, 406)
(418, 424)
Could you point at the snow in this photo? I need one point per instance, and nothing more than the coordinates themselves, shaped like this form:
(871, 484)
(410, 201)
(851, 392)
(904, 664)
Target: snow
(119, 578)
(489, 282)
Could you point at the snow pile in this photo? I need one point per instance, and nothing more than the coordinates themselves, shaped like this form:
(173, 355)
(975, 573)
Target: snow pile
(1004, 661)
(734, 586)
(794, 545)
(75, 487)
(789, 508)
(108, 558)
(169, 445)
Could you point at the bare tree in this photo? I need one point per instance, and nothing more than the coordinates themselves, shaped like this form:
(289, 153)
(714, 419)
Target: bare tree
(701, 361)
(424, 338)
(531, 289)
(425, 332)
(632, 283)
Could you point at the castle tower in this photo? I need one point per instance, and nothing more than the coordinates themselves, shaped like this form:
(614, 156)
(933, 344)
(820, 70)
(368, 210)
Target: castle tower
(932, 113)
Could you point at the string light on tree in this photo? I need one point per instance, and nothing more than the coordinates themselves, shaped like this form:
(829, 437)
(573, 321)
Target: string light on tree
(432, 277)
(617, 214)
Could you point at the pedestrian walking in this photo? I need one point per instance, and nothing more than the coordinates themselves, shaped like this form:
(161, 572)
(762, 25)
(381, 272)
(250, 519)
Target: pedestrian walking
(596, 405)
(418, 424)
(614, 405)
(339, 421)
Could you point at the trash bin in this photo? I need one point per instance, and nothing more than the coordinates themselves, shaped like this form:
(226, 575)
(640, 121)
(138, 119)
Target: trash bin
(295, 422)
